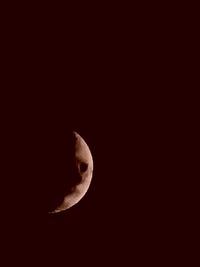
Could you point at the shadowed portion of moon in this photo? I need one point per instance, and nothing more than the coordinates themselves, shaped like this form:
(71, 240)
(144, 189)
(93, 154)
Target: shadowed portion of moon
(72, 181)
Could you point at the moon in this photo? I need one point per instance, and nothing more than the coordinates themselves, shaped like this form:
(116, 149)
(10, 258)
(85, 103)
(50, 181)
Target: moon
(83, 162)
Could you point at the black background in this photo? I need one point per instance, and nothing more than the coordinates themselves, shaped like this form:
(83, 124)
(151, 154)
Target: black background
(107, 81)
(122, 213)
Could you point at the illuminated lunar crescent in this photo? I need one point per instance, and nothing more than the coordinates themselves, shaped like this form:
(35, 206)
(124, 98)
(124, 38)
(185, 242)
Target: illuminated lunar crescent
(84, 167)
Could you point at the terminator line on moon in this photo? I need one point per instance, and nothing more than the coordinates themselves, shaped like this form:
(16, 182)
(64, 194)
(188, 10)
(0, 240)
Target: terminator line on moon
(84, 167)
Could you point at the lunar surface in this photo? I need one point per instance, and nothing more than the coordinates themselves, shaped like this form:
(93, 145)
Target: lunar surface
(81, 176)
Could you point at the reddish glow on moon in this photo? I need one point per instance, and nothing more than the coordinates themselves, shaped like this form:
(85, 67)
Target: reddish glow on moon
(84, 166)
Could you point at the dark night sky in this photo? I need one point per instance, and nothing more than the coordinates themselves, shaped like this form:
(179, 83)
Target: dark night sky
(109, 91)
(119, 213)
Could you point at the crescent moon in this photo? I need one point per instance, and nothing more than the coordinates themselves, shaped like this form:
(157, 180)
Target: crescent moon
(84, 166)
